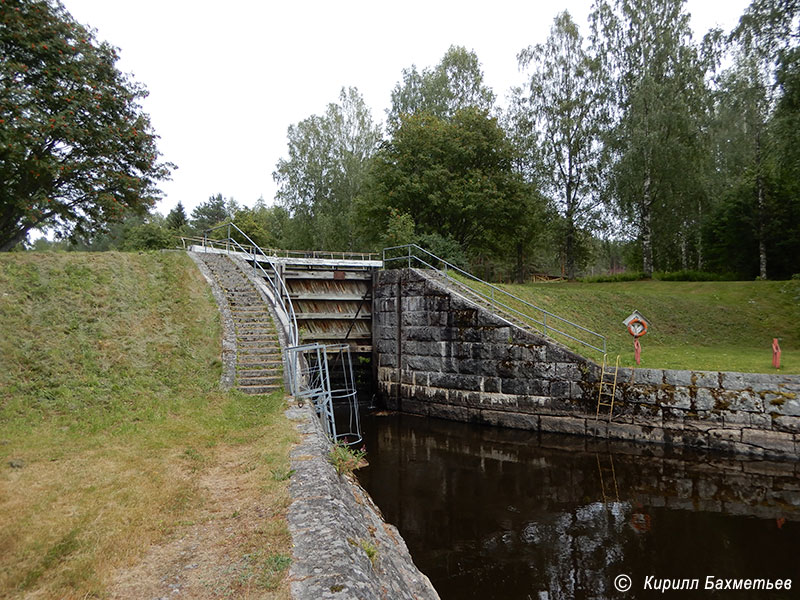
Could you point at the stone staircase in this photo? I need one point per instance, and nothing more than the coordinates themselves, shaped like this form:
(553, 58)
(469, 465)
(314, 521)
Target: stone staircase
(259, 363)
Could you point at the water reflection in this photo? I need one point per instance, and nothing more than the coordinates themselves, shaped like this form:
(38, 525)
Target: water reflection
(494, 513)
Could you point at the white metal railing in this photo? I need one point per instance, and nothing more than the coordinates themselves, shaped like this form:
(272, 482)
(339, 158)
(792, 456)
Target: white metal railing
(283, 253)
(548, 322)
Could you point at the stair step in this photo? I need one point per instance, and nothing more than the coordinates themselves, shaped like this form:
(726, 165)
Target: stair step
(264, 336)
(261, 357)
(257, 335)
(266, 344)
(275, 371)
(258, 389)
(243, 326)
(273, 381)
(259, 348)
(253, 320)
(258, 365)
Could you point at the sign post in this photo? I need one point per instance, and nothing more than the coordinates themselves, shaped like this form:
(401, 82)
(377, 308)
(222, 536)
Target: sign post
(637, 326)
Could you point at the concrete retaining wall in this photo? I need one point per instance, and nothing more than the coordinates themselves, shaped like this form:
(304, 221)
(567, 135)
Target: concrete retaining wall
(333, 521)
(441, 355)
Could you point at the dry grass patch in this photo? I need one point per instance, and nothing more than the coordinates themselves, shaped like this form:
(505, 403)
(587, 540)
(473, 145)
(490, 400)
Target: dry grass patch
(116, 442)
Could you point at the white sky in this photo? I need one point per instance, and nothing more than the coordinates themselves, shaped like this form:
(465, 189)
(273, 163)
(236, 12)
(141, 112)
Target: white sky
(227, 79)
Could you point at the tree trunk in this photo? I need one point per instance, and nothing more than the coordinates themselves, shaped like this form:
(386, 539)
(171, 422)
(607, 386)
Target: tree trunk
(14, 238)
(520, 263)
(569, 250)
(684, 247)
(646, 228)
(762, 247)
(700, 264)
(569, 241)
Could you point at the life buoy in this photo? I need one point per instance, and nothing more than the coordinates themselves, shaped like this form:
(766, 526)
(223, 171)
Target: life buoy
(640, 522)
(640, 322)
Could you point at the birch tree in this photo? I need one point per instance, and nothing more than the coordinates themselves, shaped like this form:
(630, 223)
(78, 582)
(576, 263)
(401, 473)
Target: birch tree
(560, 109)
(655, 90)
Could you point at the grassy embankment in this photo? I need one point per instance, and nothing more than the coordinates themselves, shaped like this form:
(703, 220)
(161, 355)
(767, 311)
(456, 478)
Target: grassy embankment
(727, 326)
(110, 417)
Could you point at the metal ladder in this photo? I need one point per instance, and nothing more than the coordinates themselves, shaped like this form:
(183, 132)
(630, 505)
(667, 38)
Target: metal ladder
(607, 497)
(603, 393)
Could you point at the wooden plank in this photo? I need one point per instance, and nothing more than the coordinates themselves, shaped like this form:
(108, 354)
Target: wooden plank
(348, 275)
(334, 316)
(327, 297)
(355, 349)
(338, 336)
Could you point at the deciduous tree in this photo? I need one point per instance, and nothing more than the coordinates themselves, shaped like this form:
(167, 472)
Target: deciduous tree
(324, 173)
(454, 177)
(657, 93)
(560, 111)
(455, 83)
(76, 149)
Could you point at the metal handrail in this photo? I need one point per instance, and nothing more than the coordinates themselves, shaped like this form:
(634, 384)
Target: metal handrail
(283, 253)
(276, 281)
(545, 314)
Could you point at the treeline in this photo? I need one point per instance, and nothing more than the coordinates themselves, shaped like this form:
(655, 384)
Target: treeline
(635, 147)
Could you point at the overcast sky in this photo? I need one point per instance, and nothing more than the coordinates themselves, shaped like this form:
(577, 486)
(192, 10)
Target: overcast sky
(227, 79)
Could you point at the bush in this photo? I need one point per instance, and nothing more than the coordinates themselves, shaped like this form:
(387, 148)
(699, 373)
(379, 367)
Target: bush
(345, 459)
(689, 275)
(614, 278)
(685, 275)
(444, 247)
(148, 236)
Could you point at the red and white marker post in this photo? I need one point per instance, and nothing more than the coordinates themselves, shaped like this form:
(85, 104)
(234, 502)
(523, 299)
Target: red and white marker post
(776, 353)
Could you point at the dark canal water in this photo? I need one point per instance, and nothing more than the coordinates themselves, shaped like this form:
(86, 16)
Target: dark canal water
(503, 514)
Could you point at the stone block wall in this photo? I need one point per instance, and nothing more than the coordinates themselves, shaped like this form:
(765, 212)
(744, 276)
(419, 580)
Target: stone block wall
(439, 354)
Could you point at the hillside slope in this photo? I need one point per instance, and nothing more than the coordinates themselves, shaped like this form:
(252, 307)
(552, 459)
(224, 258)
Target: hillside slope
(115, 440)
(725, 326)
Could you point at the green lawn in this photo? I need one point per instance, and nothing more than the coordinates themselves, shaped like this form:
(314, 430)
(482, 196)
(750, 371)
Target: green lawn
(111, 412)
(725, 326)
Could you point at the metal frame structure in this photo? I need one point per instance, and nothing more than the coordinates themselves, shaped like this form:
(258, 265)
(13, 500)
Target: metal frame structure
(428, 259)
(324, 375)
